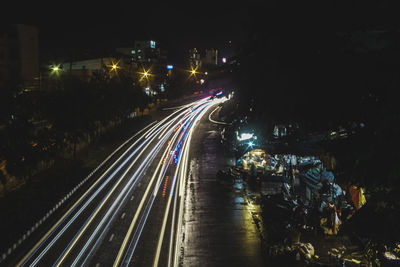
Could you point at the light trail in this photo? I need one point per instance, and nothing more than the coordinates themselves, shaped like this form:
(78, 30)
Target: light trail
(82, 230)
(114, 210)
(131, 226)
(61, 220)
(153, 133)
(90, 199)
(167, 140)
(181, 177)
(217, 122)
(125, 262)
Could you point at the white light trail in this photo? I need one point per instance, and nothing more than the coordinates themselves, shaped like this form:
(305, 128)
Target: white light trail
(176, 129)
(38, 244)
(75, 240)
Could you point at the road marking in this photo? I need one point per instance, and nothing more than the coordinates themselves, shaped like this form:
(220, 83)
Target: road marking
(123, 215)
(111, 238)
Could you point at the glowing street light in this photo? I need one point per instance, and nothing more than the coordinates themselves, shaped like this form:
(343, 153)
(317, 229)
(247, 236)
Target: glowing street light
(55, 69)
(114, 66)
(193, 72)
(145, 74)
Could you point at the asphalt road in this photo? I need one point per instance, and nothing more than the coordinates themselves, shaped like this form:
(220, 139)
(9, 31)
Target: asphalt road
(132, 213)
(218, 220)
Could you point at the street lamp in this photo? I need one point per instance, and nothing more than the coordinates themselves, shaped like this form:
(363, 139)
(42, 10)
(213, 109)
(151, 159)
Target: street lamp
(114, 66)
(193, 72)
(145, 74)
(55, 69)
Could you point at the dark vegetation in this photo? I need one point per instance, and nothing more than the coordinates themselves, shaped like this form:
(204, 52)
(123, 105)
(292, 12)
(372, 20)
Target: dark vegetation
(40, 126)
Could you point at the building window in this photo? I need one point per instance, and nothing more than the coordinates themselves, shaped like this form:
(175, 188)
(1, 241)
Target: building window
(152, 44)
(133, 52)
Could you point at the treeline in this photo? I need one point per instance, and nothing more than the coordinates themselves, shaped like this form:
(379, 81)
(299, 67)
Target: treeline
(38, 126)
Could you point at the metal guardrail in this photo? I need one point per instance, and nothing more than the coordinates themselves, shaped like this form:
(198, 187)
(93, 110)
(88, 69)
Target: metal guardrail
(36, 225)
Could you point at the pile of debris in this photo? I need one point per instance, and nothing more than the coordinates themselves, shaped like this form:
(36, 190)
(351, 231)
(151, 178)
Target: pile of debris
(308, 210)
(310, 202)
(306, 184)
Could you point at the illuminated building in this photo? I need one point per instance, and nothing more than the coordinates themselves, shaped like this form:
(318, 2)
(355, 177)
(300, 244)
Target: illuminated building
(146, 51)
(211, 57)
(194, 58)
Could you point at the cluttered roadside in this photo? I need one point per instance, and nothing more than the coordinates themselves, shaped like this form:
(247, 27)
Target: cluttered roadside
(307, 215)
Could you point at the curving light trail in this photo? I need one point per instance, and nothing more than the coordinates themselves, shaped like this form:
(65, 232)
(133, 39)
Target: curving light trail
(159, 150)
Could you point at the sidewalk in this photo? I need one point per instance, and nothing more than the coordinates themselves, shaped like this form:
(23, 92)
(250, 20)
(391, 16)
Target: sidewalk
(219, 228)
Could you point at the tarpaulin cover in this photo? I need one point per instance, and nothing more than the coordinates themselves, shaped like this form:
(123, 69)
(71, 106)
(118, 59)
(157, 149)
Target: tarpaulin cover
(357, 196)
(315, 175)
(327, 175)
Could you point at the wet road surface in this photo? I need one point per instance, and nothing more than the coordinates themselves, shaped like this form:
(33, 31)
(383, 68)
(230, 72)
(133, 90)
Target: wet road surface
(158, 204)
(219, 228)
(132, 214)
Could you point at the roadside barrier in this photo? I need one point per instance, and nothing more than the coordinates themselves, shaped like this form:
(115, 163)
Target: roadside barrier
(36, 225)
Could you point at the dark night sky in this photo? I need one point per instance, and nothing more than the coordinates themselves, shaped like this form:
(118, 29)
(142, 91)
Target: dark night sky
(175, 26)
(201, 24)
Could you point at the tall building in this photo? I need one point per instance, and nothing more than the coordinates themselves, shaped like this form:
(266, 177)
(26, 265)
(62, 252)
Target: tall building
(194, 58)
(9, 64)
(147, 56)
(145, 51)
(211, 57)
(19, 53)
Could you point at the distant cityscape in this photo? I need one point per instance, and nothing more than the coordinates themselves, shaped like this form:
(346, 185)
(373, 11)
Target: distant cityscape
(20, 53)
